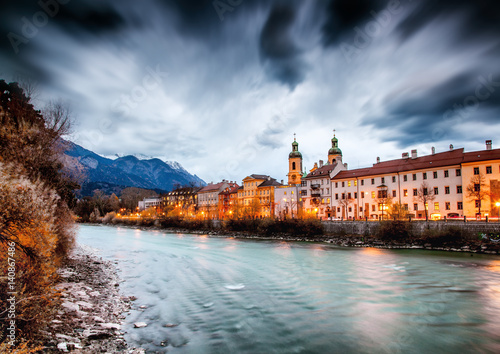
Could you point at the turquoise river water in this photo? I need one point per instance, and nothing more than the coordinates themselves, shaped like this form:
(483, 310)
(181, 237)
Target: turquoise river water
(222, 295)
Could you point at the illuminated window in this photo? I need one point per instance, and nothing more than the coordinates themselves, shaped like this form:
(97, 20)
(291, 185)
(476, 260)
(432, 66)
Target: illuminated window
(373, 195)
(405, 192)
(447, 206)
(355, 182)
(436, 206)
(348, 183)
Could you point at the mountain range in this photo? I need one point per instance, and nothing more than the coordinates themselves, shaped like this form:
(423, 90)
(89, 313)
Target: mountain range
(125, 171)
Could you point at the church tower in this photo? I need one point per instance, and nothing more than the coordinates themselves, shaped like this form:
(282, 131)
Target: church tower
(334, 154)
(294, 164)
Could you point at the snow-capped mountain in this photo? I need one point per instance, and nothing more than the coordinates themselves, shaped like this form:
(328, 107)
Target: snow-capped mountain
(133, 171)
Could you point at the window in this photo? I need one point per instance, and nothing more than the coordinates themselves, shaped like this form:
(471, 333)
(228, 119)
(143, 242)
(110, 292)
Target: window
(355, 182)
(303, 192)
(477, 187)
(415, 192)
(373, 180)
(460, 205)
(383, 179)
(362, 194)
(458, 172)
(293, 165)
(336, 184)
(348, 183)
(350, 209)
(436, 206)
(459, 189)
(446, 174)
(343, 195)
(424, 175)
(373, 207)
(303, 183)
(328, 191)
(360, 209)
(338, 210)
(373, 195)
(382, 193)
(415, 206)
(362, 182)
(393, 179)
(348, 195)
(355, 195)
(394, 194)
(405, 192)
(405, 206)
(476, 170)
(343, 184)
(478, 204)
(336, 196)
(436, 190)
(405, 178)
(447, 190)
(488, 170)
(414, 176)
(435, 174)
(447, 206)
(425, 191)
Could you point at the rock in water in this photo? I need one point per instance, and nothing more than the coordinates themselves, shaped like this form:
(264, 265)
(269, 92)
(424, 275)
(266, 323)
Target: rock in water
(140, 324)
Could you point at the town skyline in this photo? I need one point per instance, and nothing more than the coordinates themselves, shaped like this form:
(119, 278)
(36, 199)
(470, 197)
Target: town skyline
(220, 86)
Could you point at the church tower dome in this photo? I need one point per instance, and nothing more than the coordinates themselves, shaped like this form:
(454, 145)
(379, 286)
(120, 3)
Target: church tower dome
(334, 154)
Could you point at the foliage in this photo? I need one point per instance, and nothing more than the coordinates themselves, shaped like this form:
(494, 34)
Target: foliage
(449, 235)
(131, 196)
(394, 230)
(30, 220)
(35, 221)
(398, 211)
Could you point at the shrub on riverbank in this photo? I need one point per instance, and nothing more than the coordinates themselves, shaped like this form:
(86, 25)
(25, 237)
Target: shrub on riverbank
(36, 232)
(397, 230)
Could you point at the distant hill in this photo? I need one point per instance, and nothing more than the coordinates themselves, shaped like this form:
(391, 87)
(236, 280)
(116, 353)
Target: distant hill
(126, 171)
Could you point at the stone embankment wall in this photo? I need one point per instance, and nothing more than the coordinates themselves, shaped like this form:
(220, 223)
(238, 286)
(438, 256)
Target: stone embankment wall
(472, 228)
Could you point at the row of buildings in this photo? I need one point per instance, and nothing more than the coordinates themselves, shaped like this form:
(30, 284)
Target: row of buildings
(450, 184)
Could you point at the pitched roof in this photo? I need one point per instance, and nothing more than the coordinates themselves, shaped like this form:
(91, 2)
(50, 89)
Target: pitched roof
(211, 187)
(230, 190)
(442, 159)
(322, 171)
(269, 183)
(476, 156)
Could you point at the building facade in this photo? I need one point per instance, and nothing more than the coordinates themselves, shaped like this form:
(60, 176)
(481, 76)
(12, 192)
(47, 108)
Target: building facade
(208, 198)
(435, 184)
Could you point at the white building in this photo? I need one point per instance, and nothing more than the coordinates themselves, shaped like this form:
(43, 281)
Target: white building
(149, 202)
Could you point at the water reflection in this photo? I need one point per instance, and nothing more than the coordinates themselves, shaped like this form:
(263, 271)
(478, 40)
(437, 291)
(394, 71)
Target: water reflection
(217, 295)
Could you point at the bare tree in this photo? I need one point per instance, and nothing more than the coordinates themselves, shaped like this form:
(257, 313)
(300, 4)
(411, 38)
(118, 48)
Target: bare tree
(344, 202)
(477, 190)
(58, 117)
(398, 211)
(424, 196)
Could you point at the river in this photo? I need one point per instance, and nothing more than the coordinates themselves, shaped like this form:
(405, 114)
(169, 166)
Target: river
(223, 295)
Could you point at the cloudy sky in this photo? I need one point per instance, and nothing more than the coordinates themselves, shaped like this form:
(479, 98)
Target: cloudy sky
(222, 86)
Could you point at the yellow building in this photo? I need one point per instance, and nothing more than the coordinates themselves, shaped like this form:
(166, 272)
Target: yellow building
(257, 196)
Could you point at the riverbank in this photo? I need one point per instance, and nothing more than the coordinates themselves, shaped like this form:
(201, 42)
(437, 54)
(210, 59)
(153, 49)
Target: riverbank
(92, 308)
(387, 235)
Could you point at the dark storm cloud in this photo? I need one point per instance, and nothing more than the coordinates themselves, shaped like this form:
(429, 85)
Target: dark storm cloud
(279, 52)
(344, 15)
(478, 17)
(417, 117)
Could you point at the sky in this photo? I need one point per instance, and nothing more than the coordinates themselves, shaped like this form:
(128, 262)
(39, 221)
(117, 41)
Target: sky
(222, 86)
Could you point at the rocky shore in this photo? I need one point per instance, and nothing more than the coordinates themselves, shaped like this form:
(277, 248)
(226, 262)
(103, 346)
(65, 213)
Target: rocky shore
(92, 310)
